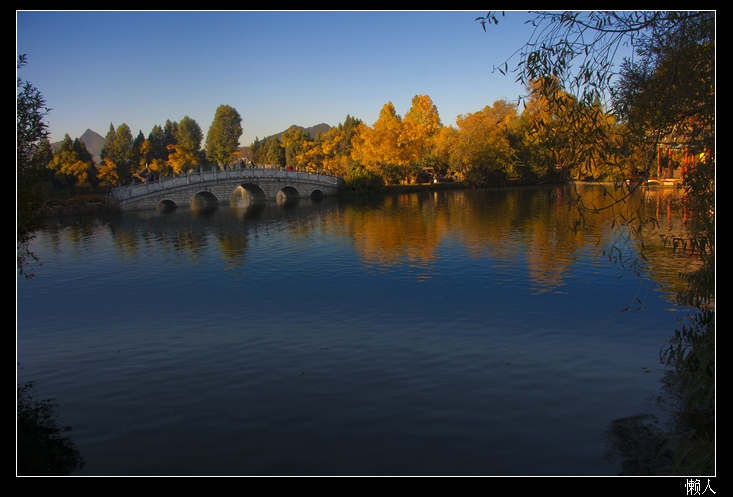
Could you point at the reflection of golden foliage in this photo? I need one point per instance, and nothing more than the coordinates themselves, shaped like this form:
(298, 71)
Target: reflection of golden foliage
(126, 242)
(508, 226)
(515, 228)
(405, 229)
(233, 245)
(189, 241)
(547, 260)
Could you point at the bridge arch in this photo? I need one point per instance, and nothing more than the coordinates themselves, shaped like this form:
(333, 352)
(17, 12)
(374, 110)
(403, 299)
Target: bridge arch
(247, 194)
(317, 194)
(203, 201)
(288, 196)
(254, 191)
(166, 206)
(289, 192)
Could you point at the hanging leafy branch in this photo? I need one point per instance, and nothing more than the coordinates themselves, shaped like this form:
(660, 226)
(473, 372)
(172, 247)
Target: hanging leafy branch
(31, 135)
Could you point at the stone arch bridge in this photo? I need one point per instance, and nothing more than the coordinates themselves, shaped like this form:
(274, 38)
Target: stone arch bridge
(217, 187)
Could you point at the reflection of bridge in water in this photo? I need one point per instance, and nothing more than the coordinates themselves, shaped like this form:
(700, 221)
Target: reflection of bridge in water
(237, 186)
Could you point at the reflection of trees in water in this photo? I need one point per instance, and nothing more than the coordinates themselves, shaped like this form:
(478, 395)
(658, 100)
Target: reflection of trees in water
(690, 384)
(635, 441)
(523, 225)
(41, 448)
(404, 229)
(533, 225)
(644, 448)
(686, 444)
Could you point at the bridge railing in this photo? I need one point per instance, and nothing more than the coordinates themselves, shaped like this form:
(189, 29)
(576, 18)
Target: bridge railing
(214, 175)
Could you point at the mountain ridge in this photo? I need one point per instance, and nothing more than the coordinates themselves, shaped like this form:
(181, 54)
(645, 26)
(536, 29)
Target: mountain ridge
(311, 131)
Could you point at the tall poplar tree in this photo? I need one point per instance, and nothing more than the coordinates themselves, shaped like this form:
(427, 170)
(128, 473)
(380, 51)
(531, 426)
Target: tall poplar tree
(189, 134)
(294, 142)
(170, 130)
(123, 152)
(272, 153)
(109, 141)
(156, 153)
(222, 139)
(117, 155)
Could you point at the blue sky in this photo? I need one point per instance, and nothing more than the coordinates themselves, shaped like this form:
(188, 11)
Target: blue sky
(276, 68)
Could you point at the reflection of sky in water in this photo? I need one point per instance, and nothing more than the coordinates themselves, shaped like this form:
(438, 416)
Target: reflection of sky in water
(334, 339)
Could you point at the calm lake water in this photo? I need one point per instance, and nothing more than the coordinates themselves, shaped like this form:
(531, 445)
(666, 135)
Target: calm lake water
(469, 332)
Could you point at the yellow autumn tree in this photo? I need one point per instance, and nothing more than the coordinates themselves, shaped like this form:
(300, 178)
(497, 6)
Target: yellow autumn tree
(149, 161)
(323, 155)
(482, 150)
(548, 124)
(146, 149)
(181, 160)
(160, 166)
(107, 172)
(395, 148)
(75, 169)
(330, 152)
(70, 166)
(419, 127)
(421, 123)
(310, 157)
(379, 147)
(185, 155)
(443, 143)
(329, 147)
(566, 135)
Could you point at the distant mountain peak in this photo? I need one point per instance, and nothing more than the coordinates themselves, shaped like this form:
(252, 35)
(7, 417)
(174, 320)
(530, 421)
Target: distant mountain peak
(92, 140)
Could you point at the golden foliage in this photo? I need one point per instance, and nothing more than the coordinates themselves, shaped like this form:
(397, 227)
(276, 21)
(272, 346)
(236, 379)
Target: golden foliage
(181, 160)
(393, 147)
(67, 163)
(107, 171)
(482, 140)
